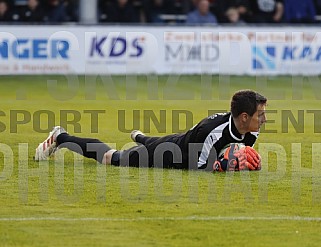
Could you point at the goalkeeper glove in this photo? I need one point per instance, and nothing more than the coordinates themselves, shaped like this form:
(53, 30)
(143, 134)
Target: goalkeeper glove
(248, 159)
(238, 159)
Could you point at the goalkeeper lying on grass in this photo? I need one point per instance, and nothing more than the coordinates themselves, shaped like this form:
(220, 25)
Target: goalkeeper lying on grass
(198, 148)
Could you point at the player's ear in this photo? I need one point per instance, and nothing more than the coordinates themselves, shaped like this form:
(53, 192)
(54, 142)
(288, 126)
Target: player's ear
(244, 117)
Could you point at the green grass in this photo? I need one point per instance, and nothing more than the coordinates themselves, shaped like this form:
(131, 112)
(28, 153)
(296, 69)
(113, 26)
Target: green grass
(80, 203)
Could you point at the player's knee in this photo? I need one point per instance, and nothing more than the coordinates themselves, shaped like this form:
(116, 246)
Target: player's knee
(108, 157)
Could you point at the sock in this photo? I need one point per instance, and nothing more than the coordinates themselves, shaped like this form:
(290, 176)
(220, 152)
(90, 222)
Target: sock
(79, 145)
(115, 158)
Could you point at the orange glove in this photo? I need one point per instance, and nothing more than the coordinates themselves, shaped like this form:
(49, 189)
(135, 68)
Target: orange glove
(248, 159)
(237, 158)
(217, 166)
(229, 162)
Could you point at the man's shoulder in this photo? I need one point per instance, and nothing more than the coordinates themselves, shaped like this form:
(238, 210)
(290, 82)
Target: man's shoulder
(215, 120)
(215, 123)
(211, 17)
(192, 15)
(220, 116)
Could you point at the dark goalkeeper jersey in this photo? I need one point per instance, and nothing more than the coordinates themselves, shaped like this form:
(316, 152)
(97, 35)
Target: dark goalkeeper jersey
(214, 132)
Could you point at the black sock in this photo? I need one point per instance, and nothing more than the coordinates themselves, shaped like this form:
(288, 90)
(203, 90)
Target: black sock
(80, 145)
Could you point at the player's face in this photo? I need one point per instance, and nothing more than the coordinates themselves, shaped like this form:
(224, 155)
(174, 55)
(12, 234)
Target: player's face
(258, 118)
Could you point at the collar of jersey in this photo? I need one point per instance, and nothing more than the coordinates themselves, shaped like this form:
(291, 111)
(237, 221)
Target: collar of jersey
(231, 125)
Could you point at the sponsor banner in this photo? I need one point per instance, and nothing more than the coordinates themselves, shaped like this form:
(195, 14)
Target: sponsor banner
(160, 50)
(120, 51)
(288, 52)
(39, 50)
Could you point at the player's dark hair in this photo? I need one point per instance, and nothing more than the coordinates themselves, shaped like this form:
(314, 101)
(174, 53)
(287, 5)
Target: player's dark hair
(246, 101)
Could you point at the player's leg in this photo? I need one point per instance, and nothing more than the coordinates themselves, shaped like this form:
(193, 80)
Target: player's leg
(171, 142)
(137, 156)
(140, 137)
(88, 147)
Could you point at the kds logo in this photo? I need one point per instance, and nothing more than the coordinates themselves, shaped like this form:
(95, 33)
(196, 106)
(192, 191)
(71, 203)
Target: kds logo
(116, 47)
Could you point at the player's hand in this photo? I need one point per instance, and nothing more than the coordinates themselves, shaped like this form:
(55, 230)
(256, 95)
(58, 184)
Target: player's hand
(217, 166)
(248, 159)
(238, 159)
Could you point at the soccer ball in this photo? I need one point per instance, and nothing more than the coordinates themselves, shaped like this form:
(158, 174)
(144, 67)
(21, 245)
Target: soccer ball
(227, 159)
(237, 157)
(236, 147)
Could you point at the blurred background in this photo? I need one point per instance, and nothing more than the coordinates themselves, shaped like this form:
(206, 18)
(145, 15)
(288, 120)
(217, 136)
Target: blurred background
(236, 12)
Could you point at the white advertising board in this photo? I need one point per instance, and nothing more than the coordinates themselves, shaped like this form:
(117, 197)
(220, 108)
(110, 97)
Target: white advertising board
(160, 50)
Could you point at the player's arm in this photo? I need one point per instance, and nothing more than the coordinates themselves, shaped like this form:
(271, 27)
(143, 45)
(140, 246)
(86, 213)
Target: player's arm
(278, 12)
(208, 152)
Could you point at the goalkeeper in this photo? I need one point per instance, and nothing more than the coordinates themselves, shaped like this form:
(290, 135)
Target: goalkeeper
(198, 148)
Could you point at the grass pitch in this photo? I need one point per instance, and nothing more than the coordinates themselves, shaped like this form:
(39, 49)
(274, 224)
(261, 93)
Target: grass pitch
(73, 201)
